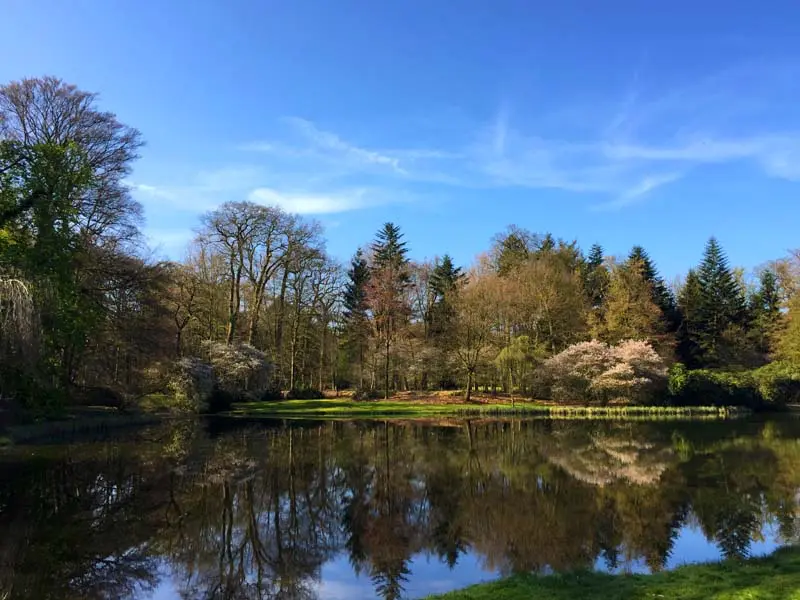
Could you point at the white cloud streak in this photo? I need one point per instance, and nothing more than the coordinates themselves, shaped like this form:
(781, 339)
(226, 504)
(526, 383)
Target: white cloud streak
(310, 204)
(617, 153)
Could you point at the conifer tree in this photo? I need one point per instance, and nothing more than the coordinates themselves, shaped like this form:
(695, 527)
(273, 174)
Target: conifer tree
(445, 281)
(662, 296)
(356, 318)
(765, 312)
(721, 310)
(389, 279)
(689, 300)
(595, 277)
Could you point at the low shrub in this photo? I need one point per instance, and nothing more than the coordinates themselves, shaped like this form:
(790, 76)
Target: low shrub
(156, 402)
(778, 383)
(593, 371)
(241, 369)
(367, 394)
(304, 394)
(705, 387)
(271, 394)
(192, 383)
(773, 385)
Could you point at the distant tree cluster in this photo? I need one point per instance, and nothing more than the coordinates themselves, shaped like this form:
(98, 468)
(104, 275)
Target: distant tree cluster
(82, 305)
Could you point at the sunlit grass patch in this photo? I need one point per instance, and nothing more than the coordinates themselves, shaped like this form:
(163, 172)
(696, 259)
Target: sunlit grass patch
(776, 577)
(345, 407)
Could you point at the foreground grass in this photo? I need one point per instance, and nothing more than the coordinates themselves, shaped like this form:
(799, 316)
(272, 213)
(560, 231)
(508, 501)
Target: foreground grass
(776, 577)
(347, 408)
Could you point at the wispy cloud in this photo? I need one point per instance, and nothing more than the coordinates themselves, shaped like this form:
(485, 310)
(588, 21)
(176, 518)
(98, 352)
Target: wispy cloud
(311, 204)
(615, 152)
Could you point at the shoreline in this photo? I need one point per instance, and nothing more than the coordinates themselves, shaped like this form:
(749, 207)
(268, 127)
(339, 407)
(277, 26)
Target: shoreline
(81, 424)
(772, 577)
(338, 408)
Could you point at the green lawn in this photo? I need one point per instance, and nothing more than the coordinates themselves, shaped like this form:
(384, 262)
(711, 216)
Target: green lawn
(776, 577)
(347, 408)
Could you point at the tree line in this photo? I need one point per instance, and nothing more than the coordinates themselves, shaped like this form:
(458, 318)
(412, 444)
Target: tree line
(84, 306)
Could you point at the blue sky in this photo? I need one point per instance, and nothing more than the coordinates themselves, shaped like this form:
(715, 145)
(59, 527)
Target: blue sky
(621, 122)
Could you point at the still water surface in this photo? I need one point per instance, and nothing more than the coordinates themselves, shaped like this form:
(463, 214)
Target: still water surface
(240, 509)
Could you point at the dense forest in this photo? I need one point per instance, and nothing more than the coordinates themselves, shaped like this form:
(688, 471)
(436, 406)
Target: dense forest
(259, 310)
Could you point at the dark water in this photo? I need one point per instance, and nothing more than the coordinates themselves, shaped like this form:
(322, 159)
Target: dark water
(236, 509)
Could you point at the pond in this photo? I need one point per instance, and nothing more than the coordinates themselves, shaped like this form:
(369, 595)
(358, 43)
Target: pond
(234, 508)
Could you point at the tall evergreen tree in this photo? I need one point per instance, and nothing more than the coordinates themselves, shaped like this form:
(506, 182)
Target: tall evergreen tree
(722, 305)
(390, 250)
(389, 280)
(445, 281)
(662, 296)
(514, 249)
(356, 318)
(595, 277)
(765, 312)
(689, 301)
(445, 277)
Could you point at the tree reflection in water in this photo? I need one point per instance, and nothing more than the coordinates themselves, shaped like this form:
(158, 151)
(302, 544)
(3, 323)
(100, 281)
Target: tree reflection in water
(235, 510)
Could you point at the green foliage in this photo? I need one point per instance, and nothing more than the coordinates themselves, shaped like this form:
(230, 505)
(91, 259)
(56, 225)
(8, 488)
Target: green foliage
(389, 248)
(770, 386)
(717, 388)
(720, 308)
(677, 379)
(662, 296)
(788, 339)
(778, 383)
(513, 249)
(595, 277)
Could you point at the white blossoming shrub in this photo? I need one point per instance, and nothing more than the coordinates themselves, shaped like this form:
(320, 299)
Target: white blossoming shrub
(192, 383)
(572, 371)
(241, 369)
(596, 372)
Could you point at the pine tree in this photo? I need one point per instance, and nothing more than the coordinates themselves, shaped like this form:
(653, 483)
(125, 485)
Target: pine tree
(446, 279)
(689, 301)
(765, 312)
(722, 307)
(514, 250)
(630, 312)
(389, 279)
(390, 250)
(356, 318)
(662, 296)
(595, 277)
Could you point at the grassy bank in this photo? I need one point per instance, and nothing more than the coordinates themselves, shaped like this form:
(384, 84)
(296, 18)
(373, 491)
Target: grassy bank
(347, 408)
(776, 577)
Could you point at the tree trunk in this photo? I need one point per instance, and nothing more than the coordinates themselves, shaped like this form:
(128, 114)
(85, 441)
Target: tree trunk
(322, 354)
(386, 373)
(279, 326)
(468, 395)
